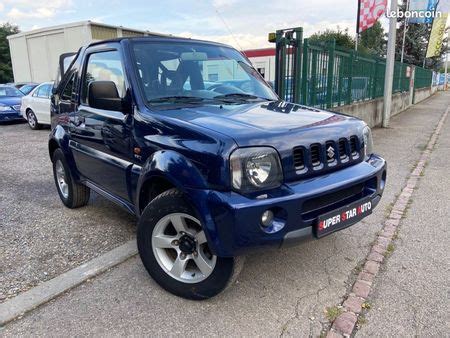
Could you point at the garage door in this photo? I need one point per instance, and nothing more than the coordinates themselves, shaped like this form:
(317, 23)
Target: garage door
(44, 52)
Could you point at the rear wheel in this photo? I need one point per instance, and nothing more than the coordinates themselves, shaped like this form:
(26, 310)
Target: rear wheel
(175, 250)
(32, 120)
(72, 194)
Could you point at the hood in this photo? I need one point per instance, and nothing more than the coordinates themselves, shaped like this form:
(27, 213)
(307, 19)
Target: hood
(10, 100)
(267, 122)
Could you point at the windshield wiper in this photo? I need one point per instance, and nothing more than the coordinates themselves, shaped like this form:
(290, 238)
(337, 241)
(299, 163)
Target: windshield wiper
(176, 99)
(240, 96)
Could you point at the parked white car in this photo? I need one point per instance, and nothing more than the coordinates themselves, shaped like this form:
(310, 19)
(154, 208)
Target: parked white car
(36, 106)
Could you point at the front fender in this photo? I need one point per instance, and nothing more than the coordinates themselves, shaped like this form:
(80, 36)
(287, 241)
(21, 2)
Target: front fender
(173, 167)
(59, 138)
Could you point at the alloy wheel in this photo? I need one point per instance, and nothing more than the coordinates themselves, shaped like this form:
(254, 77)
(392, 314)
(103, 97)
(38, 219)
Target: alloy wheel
(31, 120)
(181, 249)
(61, 179)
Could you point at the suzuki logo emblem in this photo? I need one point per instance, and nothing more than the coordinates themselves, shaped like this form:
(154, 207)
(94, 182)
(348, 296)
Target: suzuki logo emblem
(330, 152)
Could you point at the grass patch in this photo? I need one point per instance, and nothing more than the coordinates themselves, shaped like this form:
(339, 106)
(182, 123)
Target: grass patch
(366, 306)
(333, 312)
(390, 249)
(361, 320)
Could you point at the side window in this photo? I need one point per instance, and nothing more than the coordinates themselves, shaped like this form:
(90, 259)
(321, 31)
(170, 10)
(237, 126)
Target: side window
(49, 91)
(41, 91)
(68, 89)
(104, 66)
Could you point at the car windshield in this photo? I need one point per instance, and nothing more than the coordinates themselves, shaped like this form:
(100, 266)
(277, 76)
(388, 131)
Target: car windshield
(26, 89)
(192, 72)
(7, 91)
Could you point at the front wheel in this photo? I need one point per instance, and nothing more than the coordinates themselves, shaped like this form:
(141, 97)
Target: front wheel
(32, 120)
(175, 250)
(72, 194)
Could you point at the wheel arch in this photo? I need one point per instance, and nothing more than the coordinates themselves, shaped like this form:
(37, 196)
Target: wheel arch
(165, 170)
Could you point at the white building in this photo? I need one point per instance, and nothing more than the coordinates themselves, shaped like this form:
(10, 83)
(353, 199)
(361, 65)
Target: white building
(264, 61)
(35, 54)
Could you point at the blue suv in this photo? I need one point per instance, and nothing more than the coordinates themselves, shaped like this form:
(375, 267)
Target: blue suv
(187, 136)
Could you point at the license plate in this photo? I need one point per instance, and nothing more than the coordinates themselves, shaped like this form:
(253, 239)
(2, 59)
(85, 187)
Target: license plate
(343, 217)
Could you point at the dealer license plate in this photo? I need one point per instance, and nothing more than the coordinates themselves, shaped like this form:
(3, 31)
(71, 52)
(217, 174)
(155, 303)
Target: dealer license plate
(343, 217)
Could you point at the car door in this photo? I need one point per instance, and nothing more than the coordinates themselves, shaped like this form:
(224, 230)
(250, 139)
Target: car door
(40, 103)
(43, 104)
(101, 139)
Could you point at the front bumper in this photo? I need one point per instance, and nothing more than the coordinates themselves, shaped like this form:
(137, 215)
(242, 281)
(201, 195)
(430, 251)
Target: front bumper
(232, 221)
(10, 115)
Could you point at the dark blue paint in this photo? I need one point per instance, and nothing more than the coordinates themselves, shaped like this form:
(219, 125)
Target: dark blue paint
(190, 147)
(10, 113)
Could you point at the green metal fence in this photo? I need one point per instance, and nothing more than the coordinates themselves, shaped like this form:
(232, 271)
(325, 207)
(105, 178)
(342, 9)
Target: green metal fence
(423, 78)
(325, 75)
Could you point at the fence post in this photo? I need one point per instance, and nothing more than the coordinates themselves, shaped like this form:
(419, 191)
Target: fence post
(298, 64)
(350, 76)
(280, 66)
(313, 83)
(374, 82)
(305, 72)
(340, 70)
(330, 73)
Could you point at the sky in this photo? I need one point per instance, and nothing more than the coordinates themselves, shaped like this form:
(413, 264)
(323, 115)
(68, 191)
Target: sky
(243, 24)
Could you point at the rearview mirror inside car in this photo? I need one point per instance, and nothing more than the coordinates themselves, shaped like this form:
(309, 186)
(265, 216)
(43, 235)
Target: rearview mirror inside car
(194, 56)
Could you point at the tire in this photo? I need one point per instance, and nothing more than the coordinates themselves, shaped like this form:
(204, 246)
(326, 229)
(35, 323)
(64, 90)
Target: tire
(162, 245)
(72, 194)
(32, 120)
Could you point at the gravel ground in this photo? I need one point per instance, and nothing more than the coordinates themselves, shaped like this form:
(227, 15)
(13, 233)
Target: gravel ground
(40, 237)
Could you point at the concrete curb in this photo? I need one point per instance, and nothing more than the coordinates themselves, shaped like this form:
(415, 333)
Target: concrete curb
(41, 294)
(345, 324)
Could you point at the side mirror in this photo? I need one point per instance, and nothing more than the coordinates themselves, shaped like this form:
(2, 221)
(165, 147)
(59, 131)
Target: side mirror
(104, 95)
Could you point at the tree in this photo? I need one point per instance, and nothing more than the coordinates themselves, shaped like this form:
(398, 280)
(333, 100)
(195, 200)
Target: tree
(342, 38)
(6, 74)
(373, 40)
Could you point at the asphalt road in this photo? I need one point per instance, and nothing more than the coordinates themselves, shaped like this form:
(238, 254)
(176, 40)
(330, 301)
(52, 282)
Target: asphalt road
(279, 292)
(40, 237)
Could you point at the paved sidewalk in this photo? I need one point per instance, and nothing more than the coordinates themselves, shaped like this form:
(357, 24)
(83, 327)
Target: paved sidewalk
(279, 292)
(412, 292)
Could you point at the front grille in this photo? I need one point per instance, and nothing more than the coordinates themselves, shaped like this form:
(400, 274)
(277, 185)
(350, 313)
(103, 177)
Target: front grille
(299, 158)
(353, 145)
(327, 156)
(322, 204)
(342, 148)
(315, 155)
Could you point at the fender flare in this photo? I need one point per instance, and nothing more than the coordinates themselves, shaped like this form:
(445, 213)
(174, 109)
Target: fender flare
(173, 167)
(59, 138)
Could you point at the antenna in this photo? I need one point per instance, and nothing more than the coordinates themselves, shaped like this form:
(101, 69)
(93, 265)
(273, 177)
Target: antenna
(227, 27)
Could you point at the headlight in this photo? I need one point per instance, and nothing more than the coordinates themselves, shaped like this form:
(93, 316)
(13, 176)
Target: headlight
(368, 142)
(255, 168)
(5, 108)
